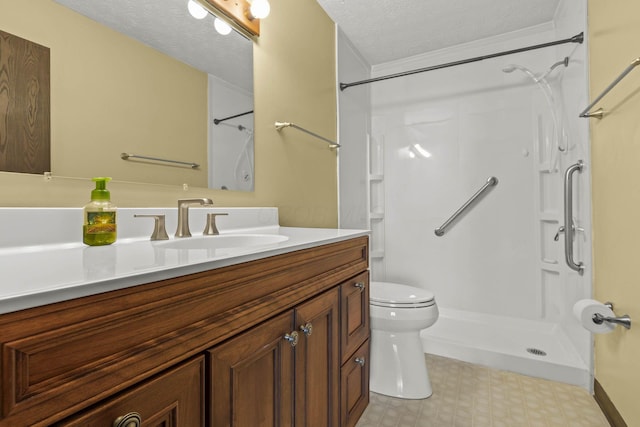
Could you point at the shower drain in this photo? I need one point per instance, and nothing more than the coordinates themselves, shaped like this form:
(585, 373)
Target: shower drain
(537, 352)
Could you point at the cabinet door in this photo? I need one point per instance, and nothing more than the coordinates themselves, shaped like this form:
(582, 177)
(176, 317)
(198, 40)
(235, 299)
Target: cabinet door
(251, 382)
(318, 362)
(174, 398)
(355, 386)
(354, 294)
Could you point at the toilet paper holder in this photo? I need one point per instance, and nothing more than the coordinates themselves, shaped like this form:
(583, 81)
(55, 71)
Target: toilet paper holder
(624, 320)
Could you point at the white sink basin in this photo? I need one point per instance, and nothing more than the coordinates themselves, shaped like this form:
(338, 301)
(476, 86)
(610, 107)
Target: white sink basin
(224, 241)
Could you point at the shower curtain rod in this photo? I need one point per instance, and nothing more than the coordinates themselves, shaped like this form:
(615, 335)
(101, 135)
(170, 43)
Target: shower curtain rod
(579, 38)
(218, 121)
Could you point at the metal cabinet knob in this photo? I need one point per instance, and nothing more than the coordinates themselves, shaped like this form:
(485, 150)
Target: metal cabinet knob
(132, 419)
(360, 361)
(359, 285)
(307, 328)
(292, 338)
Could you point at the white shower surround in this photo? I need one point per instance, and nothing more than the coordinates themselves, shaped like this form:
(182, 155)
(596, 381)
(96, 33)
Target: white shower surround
(498, 276)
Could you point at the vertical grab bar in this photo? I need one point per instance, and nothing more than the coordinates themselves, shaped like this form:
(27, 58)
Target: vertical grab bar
(569, 227)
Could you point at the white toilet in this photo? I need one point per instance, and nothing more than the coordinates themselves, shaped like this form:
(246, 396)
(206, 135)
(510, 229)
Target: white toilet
(398, 314)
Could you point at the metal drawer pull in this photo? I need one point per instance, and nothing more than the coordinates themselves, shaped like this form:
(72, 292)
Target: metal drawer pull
(292, 338)
(307, 328)
(359, 285)
(132, 419)
(360, 361)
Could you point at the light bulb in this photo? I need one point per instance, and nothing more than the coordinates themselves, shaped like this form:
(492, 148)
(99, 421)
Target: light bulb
(222, 27)
(196, 10)
(260, 8)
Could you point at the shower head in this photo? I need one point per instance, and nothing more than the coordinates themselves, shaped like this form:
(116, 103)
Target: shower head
(564, 62)
(512, 67)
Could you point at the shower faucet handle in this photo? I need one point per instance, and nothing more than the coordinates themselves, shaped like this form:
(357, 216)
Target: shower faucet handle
(560, 230)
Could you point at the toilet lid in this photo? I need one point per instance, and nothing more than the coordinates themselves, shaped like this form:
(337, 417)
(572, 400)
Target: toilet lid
(397, 295)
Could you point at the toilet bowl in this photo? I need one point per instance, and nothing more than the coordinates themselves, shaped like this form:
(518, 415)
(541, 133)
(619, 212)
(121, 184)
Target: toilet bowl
(398, 314)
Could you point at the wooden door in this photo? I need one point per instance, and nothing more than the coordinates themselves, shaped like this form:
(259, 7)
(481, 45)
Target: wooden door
(251, 377)
(25, 118)
(317, 379)
(172, 399)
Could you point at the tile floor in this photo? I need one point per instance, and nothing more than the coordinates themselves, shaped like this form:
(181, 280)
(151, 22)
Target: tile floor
(467, 395)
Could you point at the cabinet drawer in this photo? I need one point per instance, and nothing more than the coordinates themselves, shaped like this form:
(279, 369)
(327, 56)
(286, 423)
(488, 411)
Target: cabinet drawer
(354, 387)
(174, 398)
(354, 295)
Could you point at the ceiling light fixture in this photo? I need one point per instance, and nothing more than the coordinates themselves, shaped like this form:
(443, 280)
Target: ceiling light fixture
(259, 9)
(196, 10)
(242, 15)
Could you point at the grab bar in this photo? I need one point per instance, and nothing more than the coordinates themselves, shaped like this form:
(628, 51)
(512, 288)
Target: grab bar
(127, 156)
(599, 113)
(491, 181)
(569, 227)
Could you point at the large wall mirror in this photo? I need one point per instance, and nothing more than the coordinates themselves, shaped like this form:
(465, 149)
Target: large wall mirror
(147, 79)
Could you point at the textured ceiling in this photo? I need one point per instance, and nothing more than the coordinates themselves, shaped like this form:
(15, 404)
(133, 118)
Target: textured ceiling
(167, 26)
(387, 30)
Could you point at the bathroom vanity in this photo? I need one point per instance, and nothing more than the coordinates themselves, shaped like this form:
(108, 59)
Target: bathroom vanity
(277, 335)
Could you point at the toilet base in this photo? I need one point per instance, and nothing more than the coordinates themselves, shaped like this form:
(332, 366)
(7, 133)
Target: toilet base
(398, 366)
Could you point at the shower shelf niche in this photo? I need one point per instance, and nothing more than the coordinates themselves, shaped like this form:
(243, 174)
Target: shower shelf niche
(375, 202)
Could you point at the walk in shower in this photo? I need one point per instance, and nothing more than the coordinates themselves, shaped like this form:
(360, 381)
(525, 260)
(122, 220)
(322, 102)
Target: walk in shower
(506, 130)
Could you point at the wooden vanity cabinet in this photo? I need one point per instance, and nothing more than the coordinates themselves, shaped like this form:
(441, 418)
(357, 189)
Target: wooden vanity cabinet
(172, 350)
(283, 370)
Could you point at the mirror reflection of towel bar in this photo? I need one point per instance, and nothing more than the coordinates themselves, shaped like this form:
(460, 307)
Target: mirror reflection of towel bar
(127, 156)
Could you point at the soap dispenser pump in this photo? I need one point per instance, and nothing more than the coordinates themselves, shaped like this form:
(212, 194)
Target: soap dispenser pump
(99, 216)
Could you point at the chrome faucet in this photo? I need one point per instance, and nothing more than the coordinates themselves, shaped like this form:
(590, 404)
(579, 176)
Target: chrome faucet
(183, 214)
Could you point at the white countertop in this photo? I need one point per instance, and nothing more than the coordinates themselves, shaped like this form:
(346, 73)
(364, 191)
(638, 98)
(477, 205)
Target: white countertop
(35, 273)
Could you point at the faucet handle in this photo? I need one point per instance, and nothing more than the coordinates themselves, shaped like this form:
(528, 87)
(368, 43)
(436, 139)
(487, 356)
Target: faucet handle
(211, 229)
(159, 229)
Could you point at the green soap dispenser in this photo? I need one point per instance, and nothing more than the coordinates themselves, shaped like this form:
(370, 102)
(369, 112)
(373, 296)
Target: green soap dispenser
(99, 216)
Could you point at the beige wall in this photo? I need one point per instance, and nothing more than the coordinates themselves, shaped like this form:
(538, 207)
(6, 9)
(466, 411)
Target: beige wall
(294, 62)
(615, 146)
